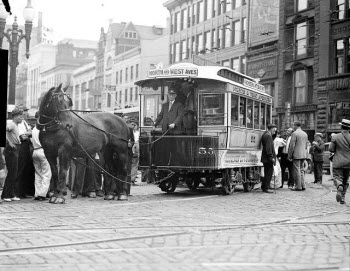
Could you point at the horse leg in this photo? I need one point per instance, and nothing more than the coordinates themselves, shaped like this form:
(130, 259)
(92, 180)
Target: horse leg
(122, 164)
(109, 183)
(54, 179)
(64, 160)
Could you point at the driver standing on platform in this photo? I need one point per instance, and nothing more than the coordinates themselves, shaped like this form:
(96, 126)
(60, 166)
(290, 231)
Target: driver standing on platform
(171, 115)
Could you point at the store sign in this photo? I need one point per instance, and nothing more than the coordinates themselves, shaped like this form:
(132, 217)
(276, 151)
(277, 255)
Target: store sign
(302, 108)
(237, 158)
(173, 72)
(252, 84)
(250, 94)
(341, 83)
(265, 68)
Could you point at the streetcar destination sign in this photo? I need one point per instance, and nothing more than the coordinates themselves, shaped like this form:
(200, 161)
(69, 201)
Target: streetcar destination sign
(191, 72)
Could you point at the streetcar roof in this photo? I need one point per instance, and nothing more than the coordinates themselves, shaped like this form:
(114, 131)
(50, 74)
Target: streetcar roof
(189, 70)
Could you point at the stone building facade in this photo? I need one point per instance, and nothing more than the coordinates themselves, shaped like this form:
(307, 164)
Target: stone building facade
(214, 30)
(333, 103)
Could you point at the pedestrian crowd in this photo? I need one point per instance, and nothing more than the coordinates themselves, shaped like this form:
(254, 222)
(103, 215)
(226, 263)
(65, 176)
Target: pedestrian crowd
(291, 149)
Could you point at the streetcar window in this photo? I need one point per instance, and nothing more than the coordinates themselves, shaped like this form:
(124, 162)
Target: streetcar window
(268, 114)
(211, 109)
(242, 111)
(234, 110)
(262, 117)
(150, 110)
(250, 113)
(256, 114)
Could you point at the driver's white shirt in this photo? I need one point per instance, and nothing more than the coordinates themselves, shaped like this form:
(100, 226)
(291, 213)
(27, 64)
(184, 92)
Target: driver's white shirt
(23, 127)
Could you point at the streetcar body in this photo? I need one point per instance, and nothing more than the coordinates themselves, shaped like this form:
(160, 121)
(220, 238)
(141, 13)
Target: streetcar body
(231, 112)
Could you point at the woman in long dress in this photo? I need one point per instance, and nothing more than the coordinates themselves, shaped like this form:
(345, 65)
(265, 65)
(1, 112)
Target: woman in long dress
(277, 175)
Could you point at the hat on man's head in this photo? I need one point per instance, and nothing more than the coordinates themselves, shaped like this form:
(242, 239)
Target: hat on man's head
(271, 125)
(22, 107)
(16, 112)
(319, 134)
(171, 91)
(345, 123)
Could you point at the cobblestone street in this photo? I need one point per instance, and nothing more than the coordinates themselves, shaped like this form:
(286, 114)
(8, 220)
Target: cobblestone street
(186, 230)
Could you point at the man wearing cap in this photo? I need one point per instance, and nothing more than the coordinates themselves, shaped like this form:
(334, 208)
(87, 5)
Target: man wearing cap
(10, 191)
(340, 146)
(268, 157)
(170, 115)
(297, 153)
(26, 170)
(317, 151)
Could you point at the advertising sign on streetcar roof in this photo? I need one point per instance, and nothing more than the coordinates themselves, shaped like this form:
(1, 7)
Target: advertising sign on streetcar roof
(186, 71)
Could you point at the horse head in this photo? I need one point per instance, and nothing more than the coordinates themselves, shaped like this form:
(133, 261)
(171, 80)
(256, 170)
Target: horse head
(53, 102)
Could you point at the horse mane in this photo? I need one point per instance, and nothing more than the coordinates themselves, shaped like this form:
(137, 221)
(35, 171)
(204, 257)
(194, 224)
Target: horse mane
(46, 98)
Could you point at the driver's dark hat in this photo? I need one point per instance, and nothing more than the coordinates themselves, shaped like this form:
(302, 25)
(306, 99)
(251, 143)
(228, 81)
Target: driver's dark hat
(345, 123)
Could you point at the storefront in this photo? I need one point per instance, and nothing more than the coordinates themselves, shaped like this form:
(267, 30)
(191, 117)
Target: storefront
(336, 92)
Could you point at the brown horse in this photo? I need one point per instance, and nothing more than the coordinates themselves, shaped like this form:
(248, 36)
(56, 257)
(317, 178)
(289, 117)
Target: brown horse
(65, 134)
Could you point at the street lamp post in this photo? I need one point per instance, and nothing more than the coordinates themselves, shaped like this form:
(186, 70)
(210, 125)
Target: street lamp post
(14, 37)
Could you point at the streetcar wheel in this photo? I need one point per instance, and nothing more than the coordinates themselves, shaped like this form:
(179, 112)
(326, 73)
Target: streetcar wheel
(168, 186)
(248, 186)
(192, 184)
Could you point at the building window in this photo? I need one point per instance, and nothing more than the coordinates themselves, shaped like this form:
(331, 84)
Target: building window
(172, 22)
(193, 14)
(177, 22)
(207, 40)
(227, 36)
(137, 71)
(236, 3)
(183, 50)
(300, 87)
(220, 36)
(235, 63)
(131, 93)
(136, 94)
(228, 5)
(339, 57)
(301, 5)
(301, 39)
(243, 61)
(244, 30)
(120, 97)
(215, 6)
(116, 78)
(200, 12)
(109, 98)
(189, 14)
(213, 38)
(236, 32)
(199, 43)
(183, 24)
(131, 72)
(126, 95)
(177, 52)
(226, 63)
(121, 76)
(126, 74)
(209, 9)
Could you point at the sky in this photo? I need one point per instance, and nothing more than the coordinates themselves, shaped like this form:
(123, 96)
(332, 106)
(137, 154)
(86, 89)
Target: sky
(83, 19)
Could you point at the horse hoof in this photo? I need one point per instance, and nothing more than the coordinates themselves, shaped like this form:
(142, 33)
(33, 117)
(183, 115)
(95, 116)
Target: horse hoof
(49, 194)
(109, 197)
(52, 200)
(59, 201)
(122, 197)
(73, 196)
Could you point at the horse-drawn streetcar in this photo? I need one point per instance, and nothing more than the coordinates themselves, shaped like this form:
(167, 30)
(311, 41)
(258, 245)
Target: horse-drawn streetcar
(224, 115)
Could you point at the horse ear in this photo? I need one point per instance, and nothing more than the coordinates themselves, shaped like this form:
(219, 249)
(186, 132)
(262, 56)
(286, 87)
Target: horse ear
(65, 89)
(58, 89)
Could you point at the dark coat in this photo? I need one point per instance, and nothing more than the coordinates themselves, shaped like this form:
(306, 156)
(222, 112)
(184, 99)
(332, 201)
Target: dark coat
(318, 151)
(268, 150)
(168, 117)
(340, 145)
(188, 115)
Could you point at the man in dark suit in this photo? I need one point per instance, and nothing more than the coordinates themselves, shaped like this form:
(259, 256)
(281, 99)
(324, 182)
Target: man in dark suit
(297, 153)
(268, 157)
(285, 163)
(170, 116)
(317, 151)
(340, 146)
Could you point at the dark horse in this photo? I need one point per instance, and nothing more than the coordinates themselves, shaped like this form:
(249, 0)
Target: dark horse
(65, 134)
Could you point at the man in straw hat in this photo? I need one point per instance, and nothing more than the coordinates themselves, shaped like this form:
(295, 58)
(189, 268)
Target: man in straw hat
(340, 145)
(317, 151)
